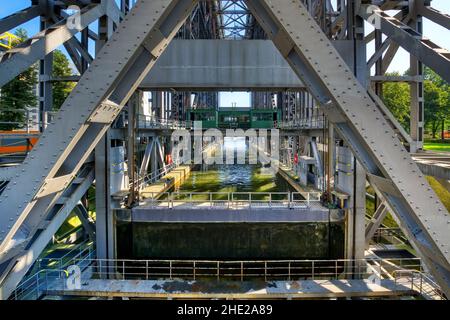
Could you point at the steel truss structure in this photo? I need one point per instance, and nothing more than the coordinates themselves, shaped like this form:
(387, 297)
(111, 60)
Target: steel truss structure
(314, 37)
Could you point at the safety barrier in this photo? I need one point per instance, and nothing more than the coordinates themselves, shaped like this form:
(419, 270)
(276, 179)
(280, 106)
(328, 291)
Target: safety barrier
(233, 200)
(420, 282)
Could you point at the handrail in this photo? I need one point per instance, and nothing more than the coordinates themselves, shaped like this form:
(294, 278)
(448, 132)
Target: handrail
(303, 123)
(233, 200)
(240, 270)
(153, 177)
(123, 269)
(36, 284)
(420, 282)
(149, 122)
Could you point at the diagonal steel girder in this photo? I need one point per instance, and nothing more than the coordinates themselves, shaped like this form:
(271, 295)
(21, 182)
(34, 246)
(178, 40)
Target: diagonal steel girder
(18, 268)
(85, 116)
(20, 17)
(434, 15)
(18, 59)
(359, 121)
(425, 50)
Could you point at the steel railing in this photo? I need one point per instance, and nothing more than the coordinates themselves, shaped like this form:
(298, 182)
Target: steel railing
(148, 122)
(233, 200)
(303, 124)
(420, 282)
(126, 269)
(156, 176)
(35, 285)
(81, 251)
(406, 273)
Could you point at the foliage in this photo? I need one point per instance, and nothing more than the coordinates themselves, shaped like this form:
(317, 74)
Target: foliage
(61, 89)
(19, 94)
(396, 96)
(437, 102)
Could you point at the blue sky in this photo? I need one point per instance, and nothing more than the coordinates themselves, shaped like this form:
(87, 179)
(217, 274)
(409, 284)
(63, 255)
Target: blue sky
(436, 33)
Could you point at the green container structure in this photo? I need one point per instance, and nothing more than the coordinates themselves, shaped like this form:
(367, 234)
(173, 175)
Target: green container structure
(264, 118)
(236, 118)
(208, 117)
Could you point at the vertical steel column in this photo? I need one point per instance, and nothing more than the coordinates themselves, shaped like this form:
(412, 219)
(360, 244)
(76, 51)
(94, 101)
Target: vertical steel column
(378, 63)
(417, 92)
(104, 219)
(85, 46)
(45, 73)
(131, 151)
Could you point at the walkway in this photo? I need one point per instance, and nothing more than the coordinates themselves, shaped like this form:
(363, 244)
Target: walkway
(179, 289)
(233, 200)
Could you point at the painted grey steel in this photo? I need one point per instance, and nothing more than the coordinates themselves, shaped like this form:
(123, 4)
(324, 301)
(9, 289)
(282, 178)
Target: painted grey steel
(375, 222)
(390, 118)
(435, 165)
(361, 124)
(11, 277)
(18, 59)
(10, 22)
(88, 225)
(52, 166)
(213, 64)
(433, 14)
(423, 49)
(101, 93)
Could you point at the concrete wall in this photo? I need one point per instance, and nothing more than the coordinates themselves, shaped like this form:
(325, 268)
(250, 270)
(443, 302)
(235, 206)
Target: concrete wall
(232, 241)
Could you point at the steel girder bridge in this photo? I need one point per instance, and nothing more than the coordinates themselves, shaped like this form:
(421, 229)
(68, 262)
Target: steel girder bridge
(324, 44)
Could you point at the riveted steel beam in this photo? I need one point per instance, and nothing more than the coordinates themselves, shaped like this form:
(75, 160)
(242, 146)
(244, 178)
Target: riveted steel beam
(375, 222)
(362, 125)
(425, 50)
(17, 18)
(66, 144)
(433, 14)
(19, 266)
(18, 59)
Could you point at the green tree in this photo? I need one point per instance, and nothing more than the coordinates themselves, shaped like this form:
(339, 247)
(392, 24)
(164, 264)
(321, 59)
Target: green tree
(436, 102)
(18, 95)
(396, 96)
(61, 89)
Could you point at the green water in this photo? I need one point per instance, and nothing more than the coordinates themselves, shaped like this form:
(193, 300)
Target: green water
(235, 178)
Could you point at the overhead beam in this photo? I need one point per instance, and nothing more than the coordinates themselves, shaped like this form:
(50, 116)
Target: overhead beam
(360, 122)
(213, 64)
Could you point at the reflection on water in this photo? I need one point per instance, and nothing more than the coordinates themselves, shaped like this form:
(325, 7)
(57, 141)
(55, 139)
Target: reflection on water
(234, 178)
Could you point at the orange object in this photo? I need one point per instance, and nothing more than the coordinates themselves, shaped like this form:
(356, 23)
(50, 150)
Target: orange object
(18, 142)
(169, 159)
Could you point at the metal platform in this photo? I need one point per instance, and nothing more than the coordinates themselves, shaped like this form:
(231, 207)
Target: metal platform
(176, 289)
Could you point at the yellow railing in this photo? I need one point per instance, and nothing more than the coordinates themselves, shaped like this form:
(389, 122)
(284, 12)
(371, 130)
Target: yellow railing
(7, 39)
